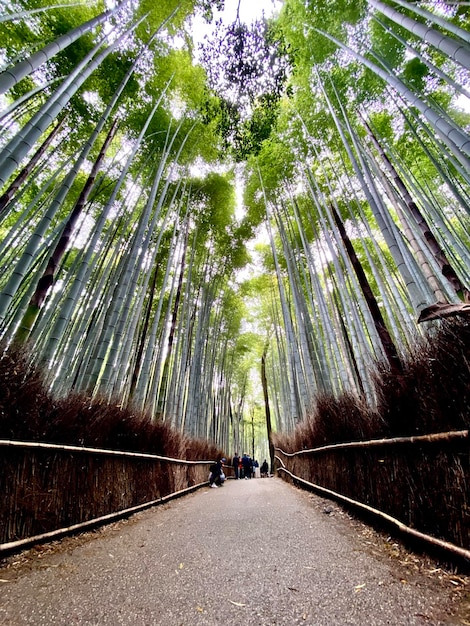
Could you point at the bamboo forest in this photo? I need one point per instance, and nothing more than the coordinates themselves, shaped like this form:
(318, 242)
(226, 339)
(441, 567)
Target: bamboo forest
(226, 224)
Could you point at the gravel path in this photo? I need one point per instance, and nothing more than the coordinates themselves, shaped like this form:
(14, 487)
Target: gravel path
(257, 552)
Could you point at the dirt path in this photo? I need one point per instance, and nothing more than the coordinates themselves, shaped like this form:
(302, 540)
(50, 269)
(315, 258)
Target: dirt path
(256, 552)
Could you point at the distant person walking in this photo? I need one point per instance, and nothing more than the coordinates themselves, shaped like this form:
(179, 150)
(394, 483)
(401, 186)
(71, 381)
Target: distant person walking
(235, 463)
(264, 469)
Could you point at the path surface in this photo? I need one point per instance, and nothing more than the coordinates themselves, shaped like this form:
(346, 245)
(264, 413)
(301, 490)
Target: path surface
(257, 552)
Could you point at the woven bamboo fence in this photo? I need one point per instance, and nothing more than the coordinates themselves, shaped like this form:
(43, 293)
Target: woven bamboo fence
(46, 487)
(421, 482)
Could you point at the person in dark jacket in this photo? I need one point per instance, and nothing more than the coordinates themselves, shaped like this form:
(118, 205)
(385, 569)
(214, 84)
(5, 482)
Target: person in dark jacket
(235, 463)
(264, 469)
(247, 465)
(216, 474)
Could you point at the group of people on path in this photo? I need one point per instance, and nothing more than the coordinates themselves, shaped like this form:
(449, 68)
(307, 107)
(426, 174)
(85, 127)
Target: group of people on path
(243, 467)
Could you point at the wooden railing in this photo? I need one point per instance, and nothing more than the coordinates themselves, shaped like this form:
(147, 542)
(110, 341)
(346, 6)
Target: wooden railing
(51, 490)
(420, 485)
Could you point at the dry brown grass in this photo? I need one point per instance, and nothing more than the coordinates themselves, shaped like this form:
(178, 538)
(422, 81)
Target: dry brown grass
(43, 490)
(432, 395)
(423, 485)
(28, 412)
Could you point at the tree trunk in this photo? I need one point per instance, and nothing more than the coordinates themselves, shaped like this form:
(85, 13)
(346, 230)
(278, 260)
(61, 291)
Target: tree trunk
(13, 75)
(438, 253)
(143, 334)
(451, 134)
(448, 46)
(47, 279)
(26, 171)
(387, 342)
(264, 383)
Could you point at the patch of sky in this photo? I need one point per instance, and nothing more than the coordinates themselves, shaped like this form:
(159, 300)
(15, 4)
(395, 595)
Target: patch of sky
(463, 103)
(248, 11)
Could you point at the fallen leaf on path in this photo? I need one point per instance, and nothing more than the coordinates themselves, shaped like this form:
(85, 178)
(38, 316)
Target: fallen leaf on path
(237, 603)
(200, 609)
(359, 587)
(181, 565)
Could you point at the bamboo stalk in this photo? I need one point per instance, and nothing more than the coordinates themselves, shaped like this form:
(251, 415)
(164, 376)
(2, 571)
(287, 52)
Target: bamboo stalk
(403, 528)
(140, 455)
(437, 437)
(15, 546)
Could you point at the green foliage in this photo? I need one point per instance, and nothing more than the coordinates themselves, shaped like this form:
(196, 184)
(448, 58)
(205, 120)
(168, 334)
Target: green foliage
(257, 129)
(21, 88)
(225, 119)
(268, 173)
(207, 8)
(385, 44)
(415, 73)
(382, 123)
(41, 28)
(264, 97)
(19, 38)
(368, 88)
(442, 98)
(157, 12)
(460, 116)
(247, 68)
(298, 20)
(65, 61)
(110, 74)
(267, 259)
(240, 138)
(13, 36)
(237, 249)
(234, 311)
(188, 80)
(216, 196)
(461, 16)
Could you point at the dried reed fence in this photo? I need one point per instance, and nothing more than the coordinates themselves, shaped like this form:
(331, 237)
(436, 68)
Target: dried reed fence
(48, 490)
(421, 483)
